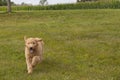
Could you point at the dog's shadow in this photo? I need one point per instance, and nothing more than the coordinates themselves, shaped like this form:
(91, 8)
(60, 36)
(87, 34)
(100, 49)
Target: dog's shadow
(49, 65)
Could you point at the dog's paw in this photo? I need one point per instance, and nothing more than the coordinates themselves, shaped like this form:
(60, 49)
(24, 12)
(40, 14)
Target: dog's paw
(29, 72)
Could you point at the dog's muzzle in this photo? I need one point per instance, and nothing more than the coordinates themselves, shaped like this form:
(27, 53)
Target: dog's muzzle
(31, 50)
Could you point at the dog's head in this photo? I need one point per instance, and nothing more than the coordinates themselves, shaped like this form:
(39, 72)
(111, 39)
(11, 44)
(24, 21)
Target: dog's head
(32, 43)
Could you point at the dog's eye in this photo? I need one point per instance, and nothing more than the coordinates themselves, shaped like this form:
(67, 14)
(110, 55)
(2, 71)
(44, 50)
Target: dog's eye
(28, 43)
(33, 42)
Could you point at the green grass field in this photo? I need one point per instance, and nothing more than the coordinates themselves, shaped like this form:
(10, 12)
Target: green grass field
(79, 44)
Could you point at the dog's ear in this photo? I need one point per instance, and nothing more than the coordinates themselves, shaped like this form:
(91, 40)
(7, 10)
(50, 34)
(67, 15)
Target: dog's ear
(25, 38)
(38, 39)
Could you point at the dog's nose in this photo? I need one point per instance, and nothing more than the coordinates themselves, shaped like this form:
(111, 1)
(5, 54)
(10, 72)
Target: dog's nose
(31, 48)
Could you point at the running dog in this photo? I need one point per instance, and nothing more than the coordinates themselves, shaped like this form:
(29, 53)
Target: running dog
(33, 52)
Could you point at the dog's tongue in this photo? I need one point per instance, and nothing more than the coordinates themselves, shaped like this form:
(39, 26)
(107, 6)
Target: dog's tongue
(31, 51)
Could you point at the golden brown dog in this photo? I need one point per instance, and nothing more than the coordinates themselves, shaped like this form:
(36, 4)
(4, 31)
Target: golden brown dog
(33, 52)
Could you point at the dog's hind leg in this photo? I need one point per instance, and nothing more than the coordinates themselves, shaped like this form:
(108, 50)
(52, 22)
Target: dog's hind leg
(35, 60)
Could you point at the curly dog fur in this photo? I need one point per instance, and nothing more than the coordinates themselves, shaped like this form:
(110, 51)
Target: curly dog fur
(33, 52)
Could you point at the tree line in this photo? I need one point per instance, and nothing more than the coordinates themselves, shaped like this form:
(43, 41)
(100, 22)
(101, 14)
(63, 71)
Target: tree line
(8, 3)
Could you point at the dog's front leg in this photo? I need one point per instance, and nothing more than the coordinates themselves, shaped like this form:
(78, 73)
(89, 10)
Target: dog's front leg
(29, 65)
(35, 60)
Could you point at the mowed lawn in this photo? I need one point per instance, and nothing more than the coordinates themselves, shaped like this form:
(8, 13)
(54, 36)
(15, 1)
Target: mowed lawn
(79, 44)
